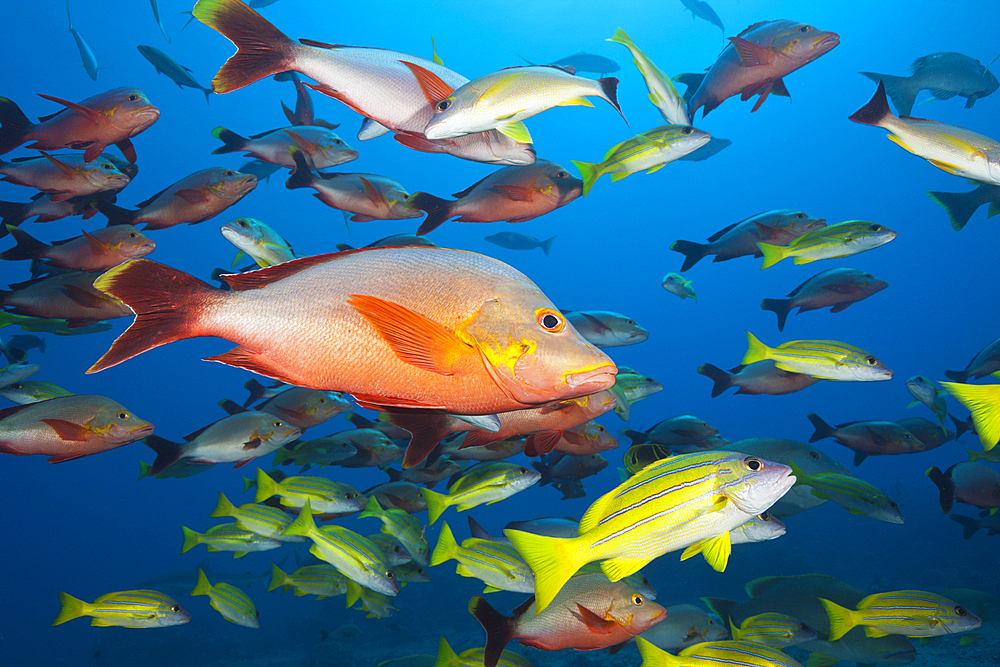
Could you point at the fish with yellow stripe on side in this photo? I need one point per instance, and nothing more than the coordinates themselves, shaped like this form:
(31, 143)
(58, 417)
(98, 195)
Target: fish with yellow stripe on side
(483, 484)
(400, 525)
(727, 653)
(910, 613)
(378, 605)
(649, 151)
(228, 537)
(983, 401)
(323, 495)
(772, 629)
(842, 239)
(823, 359)
(662, 93)
(322, 580)
(954, 149)
(127, 609)
(234, 605)
(262, 520)
(690, 501)
(496, 564)
(352, 554)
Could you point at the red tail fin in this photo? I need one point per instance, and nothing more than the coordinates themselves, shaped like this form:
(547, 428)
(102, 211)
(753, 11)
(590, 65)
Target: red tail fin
(877, 109)
(499, 629)
(167, 304)
(427, 429)
(610, 88)
(263, 49)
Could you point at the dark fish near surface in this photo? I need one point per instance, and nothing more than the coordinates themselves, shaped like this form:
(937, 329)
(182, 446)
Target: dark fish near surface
(86, 54)
(514, 194)
(755, 62)
(193, 199)
(868, 438)
(945, 75)
(568, 468)
(986, 362)
(69, 427)
(517, 241)
(176, 72)
(97, 251)
(961, 206)
(760, 377)
(588, 613)
(838, 288)
(702, 9)
(969, 482)
(112, 117)
(740, 239)
(67, 296)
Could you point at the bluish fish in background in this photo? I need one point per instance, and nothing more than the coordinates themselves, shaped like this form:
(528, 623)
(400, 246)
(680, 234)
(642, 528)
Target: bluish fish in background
(867, 438)
(127, 609)
(676, 284)
(176, 72)
(650, 151)
(986, 362)
(584, 62)
(823, 359)
(760, 377)
(159, 23)
(830, 242)
(926, 392)
(394, 240)
(320, 146)
(972, 525)
(836, 288)
(260, 169)
(674, 432)
(755, 62)
(852, 493)
(17, 371)
(518, 241)
(234, 605)
(931, 434)
(570, 488)
(961, 206)
(299, 406)
(944, 74)
(514, 194)
(662, 93)
(86, 54)
(701, 9)
(954, 149)
(684, 626)
(761, 528)
(568, 468)
(969, 482)
(777, 227)
(714, 146)
(257, 241)
(31, 391)
(323, 581)
(603, 328)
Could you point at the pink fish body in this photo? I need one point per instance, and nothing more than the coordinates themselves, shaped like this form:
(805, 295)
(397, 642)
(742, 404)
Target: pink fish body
(755, 62)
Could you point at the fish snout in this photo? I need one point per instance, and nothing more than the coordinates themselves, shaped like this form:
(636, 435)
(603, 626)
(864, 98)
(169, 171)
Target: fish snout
(593, 380)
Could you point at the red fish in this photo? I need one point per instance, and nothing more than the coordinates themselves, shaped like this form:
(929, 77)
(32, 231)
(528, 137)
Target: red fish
(411, 327)
(97, 251)
(755, 62)
(588, 613)
(67, 296)
(69, 427)
(112, 117)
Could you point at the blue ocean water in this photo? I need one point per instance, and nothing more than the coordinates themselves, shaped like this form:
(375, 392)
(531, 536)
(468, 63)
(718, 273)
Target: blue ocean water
(88, 527)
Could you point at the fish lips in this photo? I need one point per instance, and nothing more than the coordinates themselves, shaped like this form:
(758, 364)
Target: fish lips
(763, 488)
(594, 380)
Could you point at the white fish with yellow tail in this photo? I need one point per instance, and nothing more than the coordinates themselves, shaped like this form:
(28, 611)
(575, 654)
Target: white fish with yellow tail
(257, 241)
(690, 501)
(955, 149)
(662, 92)
(503, 99)
(676, 284)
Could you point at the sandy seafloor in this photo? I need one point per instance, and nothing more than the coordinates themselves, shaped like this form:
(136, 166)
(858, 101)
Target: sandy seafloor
(88, 527)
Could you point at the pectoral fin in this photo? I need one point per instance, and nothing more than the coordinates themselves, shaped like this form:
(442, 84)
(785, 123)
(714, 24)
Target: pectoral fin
(515, 192)
(517, 131)
(751, 53)
(68, 431)
(415, 339)
(373, 195)
(88, 113)
(192, 196)
(595, 623)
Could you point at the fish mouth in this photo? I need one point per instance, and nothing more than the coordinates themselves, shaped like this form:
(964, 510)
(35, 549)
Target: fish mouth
(594, 380)
(829, 42)
(143, 432)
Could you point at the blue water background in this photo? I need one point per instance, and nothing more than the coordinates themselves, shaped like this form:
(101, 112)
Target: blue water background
(88, 527)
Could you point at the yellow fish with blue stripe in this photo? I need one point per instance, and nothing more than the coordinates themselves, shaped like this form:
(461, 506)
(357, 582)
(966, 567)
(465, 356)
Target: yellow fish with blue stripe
(690, 502)
(910, 613)
(378, 605)
(227, 537)
(404, 527)
(127, 609)
(261, 520)
(474, 657)
(648, 152)
(483, 484)
(772, 629)
(852, 493)
(823, 359)
(727, 653)
(842, 239)
(497, 564)
(352, 554)
(234, 605)
(322, 580)
(324, 495)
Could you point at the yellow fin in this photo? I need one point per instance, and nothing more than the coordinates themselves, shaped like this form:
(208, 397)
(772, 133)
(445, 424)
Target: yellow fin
(715, 549)
(841, 619)
(896, 140)
(654, 656)
(983, 401)
(962, 145)
(875, 632)
(619, 175)
(517, 131)
(576, 102)
(596, 510)
(589, 172)
(803, 260)
(756, 350)
(772, 253)
(436, 504)
(553, 560)
(498, 88)
(656, 167)
(71, 608)
(447, 547)
(820, 660)
(950, 168)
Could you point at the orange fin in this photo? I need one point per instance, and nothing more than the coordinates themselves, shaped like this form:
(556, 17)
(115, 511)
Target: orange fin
(97, 247)
(192, 196)
(68, 431)
(63, 168)
(479, 438)
(241, 357)
(381, 403)
(419, 142)
(93, 151)
(240, 464)
(372, 193)
(515, 192)
(542, 443)
(88, 113)
(433, 87)
(751, 53)
(414, 338)
(595, 623)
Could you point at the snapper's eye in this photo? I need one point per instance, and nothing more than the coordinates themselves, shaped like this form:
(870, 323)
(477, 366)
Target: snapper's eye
(753, 464)
(562, 174)
(805, 28)
(176, 608)
(277, 422)
(133, 98)
(871, 361)
(766, 516)
(874, 228)
(960, 610)
(687, 130)
(123, 415)
(230, 172)
(550, 320)
(800, 216)
(638, 600)
(133, 235)
(242, 223)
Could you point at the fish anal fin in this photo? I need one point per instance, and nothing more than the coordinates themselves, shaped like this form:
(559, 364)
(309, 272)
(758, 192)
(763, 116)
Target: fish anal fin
(950, 168)
(127, 149)
(414, 338)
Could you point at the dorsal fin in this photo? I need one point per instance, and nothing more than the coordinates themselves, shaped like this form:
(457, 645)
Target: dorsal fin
(262, 277)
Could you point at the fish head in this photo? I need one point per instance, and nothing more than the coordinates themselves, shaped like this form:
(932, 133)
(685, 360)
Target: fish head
(993, 164)
(592, 464)
(115, 424)
(124, 166)
(802, 43)
(276, 432)
(795, 223)
(633, 611)
(763, 527)
(865, 367)
(990, 83)
(323, 405)
(103, 174)
(229, 183)
(129, 242)
(532, 351)
(456, 115)
(335, 150)
(681, 139)
(127, 109)
(170, 613)
(244, 232)
(753, 484)
(869, 284)
(556, 183)
(865, 235)
(382, 579)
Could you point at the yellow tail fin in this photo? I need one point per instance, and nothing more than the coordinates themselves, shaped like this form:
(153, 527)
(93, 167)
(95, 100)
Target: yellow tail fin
(983, 401)
(436, 504)
(447, 547)
(223, 507)
(266, 487)
(203, 587)
(552, 559)
(772, 254)
(654, 656)
(756, 350)
(841, 619)
(71, 608)
(278, 579)
(589, 172)
(191, 539)
(304, 524)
